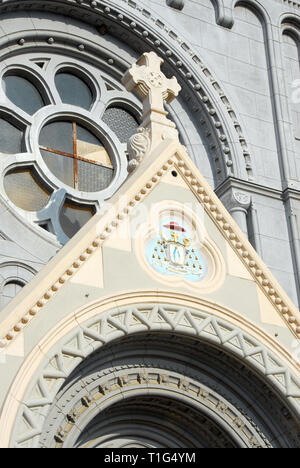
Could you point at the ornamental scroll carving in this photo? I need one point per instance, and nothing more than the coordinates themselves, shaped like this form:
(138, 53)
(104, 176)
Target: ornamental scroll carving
(146, 78)
(138, 146)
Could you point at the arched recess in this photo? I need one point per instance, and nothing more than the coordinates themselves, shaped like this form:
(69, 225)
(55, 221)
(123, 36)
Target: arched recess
(207, 102)
(253, 85)
(13, 277)
(291, 50)
(188, 358)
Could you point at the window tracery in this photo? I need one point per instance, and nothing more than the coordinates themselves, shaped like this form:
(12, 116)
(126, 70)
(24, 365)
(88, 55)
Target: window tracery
(64, 126)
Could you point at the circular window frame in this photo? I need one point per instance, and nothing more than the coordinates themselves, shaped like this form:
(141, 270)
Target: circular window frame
(43, 77)
(88, 80)
(33, 78)
(37, 175)
(100, 130)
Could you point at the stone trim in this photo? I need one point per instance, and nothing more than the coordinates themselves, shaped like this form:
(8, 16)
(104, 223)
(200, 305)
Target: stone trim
(177, 4)
(146, 380)
(292, 3)
(249, 187)
(114, 324)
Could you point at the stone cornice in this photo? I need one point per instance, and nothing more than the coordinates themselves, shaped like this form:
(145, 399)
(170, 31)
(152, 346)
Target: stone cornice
(291, 194)
(249, 187)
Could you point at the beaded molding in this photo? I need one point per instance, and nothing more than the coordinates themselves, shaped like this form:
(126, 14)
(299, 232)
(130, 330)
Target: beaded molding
(250, 259)
(292, 3)
(215, 210)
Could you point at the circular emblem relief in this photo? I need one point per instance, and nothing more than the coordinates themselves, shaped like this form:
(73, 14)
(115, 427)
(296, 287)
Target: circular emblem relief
(174, 247)
(173, 251)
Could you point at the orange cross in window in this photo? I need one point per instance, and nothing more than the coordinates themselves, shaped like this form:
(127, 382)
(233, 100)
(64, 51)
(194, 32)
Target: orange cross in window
(98, 154)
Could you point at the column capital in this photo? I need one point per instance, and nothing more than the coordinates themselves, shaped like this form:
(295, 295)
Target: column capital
(236, 200)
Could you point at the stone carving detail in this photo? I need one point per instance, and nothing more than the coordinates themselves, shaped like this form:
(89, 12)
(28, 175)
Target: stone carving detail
(177, 4)
(138, 146)
(156, 79)
(242, 198)
(146, 78)
(172, 381)
(292, 3)
(130, 320)
(238, 204)
(236, 199)
(224, 13)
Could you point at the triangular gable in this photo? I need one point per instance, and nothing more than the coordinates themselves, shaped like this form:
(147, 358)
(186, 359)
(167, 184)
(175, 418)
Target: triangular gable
(97, 263)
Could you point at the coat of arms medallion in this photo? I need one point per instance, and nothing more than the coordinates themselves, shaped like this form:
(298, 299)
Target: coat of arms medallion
(174, 252)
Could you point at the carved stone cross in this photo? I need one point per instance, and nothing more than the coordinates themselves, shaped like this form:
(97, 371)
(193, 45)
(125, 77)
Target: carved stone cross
(154, 88)
(152, 85)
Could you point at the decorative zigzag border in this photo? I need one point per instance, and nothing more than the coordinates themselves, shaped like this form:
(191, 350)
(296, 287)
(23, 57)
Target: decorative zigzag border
(143, 318)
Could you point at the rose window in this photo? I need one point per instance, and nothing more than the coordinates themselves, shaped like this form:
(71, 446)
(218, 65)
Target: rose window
(64, 126)
(76, 156)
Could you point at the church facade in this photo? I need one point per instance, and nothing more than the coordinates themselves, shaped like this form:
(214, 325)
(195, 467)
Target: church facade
(149, 234)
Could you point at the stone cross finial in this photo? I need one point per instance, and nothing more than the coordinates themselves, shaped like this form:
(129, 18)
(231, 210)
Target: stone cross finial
(152, 85)
(147, 79)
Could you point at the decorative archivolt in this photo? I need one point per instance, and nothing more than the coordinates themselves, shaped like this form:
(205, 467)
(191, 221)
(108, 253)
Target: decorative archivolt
(159, 378)
(124, 321)
(268, 13)
(202, 89)
(291, 26)
(225, 9)
(292, 3)
(15, 271)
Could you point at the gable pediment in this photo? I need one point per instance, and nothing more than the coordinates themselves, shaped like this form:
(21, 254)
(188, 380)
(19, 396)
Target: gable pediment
(108, 257)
